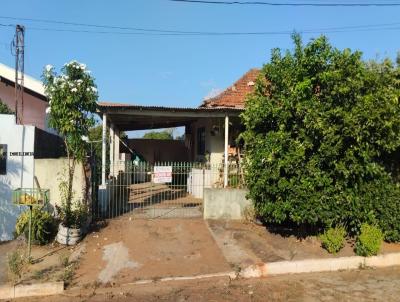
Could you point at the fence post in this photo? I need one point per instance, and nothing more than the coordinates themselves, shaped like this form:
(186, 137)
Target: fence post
(226, 151)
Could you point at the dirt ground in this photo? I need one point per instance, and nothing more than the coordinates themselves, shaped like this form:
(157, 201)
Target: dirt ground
(5, 249)
(244, 244)
(49, 262)
(129, 249)
(361, 285)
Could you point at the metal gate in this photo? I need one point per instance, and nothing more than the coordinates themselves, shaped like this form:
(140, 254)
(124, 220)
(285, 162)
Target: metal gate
(160, 190)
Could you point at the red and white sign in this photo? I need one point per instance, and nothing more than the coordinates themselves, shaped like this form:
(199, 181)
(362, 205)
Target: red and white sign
(162, 174)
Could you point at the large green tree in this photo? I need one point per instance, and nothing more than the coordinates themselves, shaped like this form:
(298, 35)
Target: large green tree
(164, 134)
(322, 139)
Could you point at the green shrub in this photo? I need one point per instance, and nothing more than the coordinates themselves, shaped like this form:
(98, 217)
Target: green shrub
(333, 239)
(322, 139)
(369, 241)
(43, 226)
(16, 265)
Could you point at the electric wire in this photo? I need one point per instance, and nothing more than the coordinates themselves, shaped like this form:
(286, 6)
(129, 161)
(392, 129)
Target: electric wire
(126, 30)
(270, 3)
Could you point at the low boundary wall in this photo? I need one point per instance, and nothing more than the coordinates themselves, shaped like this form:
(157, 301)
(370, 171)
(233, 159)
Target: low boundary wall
(225, 203)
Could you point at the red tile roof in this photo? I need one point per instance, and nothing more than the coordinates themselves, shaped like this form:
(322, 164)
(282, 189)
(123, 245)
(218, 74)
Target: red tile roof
(234, 96)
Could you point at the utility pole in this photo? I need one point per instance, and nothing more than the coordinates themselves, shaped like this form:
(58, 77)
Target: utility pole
(18, 46)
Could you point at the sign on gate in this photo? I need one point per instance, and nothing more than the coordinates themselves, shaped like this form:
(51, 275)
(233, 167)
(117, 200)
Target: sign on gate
(162, 174)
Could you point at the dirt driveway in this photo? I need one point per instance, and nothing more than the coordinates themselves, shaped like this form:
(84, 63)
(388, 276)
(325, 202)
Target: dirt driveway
(128, 250)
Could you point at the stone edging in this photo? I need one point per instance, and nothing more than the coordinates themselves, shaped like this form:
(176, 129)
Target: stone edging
(37, 289)
(319, 265)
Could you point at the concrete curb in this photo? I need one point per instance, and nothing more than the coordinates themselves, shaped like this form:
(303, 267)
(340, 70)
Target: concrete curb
(231, 275)
(31, 290)
(319, 265)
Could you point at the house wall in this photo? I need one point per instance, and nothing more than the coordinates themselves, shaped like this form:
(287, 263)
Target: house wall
(34, 108)
(49, 172)
(154, 150)
(214, 140)
(20, 170)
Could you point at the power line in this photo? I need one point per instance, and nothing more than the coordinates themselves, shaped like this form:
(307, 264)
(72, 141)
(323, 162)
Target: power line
(126, 30)
(95, 25)
(137, 30)
(267, 33)
(331, 4)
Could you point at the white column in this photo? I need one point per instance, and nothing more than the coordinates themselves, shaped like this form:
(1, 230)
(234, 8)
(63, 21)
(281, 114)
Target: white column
(103, 150)
(116, 144)
(226, 151)
(111, 149)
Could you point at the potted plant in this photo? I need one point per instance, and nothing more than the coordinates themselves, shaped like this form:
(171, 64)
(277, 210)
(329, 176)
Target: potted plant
(73, 222)
(72, 98)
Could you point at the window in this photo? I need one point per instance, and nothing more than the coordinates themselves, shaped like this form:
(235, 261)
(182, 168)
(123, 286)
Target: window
(3, 159)
(201, 141)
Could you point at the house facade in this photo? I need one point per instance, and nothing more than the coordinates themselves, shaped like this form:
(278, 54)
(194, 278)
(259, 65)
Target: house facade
(33, 110)
(208, 140)
(211, 130)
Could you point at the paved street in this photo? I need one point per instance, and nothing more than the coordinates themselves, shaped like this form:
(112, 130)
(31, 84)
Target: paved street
(362, 285)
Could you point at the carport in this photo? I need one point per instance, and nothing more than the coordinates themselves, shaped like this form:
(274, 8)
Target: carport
(125, 117)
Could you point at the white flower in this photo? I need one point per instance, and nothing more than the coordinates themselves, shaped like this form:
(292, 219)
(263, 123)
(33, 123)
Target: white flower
(48, 67)
(74, 90)
(82, 66)
(48, 110)
(93, 89)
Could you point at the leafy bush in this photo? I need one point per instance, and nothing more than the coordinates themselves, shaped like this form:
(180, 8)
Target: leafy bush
(43, 226)
(369, 241)
(4, 109)
(322, 139)
(333, 239)
(74, 216)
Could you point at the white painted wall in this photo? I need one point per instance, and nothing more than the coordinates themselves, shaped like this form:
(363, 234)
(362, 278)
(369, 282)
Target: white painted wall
(214, 143)
(20, 170)
(50, 171)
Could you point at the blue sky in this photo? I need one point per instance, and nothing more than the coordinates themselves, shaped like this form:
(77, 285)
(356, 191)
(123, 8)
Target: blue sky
(178, 71)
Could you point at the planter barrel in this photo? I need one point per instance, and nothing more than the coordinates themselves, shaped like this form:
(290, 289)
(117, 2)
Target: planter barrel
(68, 236)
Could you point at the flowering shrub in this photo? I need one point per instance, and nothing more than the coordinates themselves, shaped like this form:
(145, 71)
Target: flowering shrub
(72, 98)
